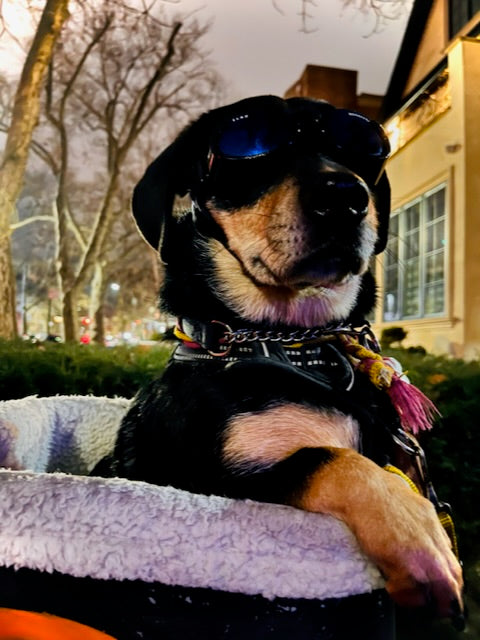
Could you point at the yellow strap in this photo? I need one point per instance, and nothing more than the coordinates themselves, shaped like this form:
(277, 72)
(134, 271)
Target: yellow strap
(178, 333)
(445, 518)
(447, 523)
(391, 469)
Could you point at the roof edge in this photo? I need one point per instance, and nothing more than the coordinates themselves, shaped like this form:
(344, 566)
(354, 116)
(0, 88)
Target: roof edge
(406, 56)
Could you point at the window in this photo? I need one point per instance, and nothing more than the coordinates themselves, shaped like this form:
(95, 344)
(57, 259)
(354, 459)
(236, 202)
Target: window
(414, 276)
(460, 12)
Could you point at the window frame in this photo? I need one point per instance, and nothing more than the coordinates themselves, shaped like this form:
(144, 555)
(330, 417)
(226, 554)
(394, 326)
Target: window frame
(423, 254)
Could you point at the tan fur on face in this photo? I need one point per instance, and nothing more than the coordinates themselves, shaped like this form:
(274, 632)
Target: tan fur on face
(262, 439)
(304, 308)
(265, 241)
(272, 229)
(272, 235)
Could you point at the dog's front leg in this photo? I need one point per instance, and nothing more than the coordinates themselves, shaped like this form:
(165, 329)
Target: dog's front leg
(397, 528)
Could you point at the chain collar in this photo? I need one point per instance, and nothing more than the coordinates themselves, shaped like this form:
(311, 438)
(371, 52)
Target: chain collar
(217, 338)
(296, 336)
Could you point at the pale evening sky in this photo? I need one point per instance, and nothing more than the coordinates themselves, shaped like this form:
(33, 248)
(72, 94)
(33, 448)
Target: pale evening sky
(260, 50)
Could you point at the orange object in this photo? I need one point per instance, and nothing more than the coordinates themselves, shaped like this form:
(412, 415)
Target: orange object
(26, 625)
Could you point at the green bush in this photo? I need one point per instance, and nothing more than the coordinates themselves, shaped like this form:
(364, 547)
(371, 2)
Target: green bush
(56, 369)
(391, 335)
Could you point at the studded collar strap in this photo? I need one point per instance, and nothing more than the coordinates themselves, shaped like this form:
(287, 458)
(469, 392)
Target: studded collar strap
(218, 338)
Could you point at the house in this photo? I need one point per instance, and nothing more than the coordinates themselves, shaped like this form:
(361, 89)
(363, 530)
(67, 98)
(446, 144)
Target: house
(429, 276)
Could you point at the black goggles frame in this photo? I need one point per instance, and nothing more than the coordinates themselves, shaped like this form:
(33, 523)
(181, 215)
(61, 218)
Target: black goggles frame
(259, 127)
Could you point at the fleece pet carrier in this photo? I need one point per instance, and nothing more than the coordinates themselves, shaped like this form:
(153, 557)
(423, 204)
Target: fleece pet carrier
(141, 561)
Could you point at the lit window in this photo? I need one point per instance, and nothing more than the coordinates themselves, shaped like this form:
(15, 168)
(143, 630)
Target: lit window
(414, 276)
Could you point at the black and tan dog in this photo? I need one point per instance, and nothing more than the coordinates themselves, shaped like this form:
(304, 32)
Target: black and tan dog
(269, 277)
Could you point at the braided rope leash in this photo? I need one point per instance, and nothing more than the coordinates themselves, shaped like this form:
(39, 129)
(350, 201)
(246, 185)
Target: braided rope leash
(416, 411)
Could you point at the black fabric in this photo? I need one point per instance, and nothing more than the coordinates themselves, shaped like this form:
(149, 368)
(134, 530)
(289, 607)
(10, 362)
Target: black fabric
(133, 610)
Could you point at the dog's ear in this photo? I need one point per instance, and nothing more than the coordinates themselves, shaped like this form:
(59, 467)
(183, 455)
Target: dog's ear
(382, 202)
(172, 173)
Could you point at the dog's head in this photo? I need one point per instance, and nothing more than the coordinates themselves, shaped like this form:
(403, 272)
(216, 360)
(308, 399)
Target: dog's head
(289, 199)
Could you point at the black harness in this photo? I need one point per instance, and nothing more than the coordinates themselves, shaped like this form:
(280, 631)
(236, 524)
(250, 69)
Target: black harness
(317, 354)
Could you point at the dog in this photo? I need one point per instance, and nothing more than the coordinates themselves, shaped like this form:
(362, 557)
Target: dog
(266, 396)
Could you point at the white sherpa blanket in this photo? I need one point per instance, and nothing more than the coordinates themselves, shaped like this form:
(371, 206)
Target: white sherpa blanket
(54, 518)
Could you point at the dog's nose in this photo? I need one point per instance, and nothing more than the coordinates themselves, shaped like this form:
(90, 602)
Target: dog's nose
(338, 194)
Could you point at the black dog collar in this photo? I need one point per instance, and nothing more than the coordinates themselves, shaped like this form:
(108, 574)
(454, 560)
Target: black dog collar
(313, 352)
(322, 363)
(217, 337)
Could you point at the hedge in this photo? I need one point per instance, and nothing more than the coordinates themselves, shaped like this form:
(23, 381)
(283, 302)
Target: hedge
(49, 368)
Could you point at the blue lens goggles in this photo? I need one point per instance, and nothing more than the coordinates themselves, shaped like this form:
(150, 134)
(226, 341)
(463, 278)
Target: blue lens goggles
(261, 126)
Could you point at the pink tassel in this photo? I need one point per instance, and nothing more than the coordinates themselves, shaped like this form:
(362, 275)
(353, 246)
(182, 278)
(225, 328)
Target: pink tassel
(416, 411)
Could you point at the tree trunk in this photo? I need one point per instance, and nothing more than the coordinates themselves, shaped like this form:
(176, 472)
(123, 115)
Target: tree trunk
(70, 316)
(96, 305)
(8, 322)
(90, 263)
(99, 336)
(24, 119)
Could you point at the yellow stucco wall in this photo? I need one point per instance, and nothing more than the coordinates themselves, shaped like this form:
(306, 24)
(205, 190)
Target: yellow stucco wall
(470, 57)
(448, 151)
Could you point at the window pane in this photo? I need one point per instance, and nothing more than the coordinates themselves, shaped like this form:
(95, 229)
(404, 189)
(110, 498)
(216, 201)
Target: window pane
(411, 298)
(391, 281)
(436, 236)
(391, 252)
(434, 298)
(412, 217)
(435, 205)
(393, 227)
(412, 246)
(434, 271)
(390, 303)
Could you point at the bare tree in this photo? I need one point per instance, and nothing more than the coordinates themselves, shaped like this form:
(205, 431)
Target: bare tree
(382, 10)
(24, 118)
(121, 71)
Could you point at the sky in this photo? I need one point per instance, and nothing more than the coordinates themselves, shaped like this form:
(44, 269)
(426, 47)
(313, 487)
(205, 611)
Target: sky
(259, 48)
(258, 45)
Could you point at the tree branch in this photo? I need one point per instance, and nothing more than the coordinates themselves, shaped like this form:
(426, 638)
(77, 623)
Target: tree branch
(151, 84)
(23, 223)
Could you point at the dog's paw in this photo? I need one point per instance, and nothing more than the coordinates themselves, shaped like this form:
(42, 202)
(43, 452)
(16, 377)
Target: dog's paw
(413, 551)
(397, 528)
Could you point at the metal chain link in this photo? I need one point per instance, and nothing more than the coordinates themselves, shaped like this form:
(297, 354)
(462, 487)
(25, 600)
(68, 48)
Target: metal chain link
(298, 335)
